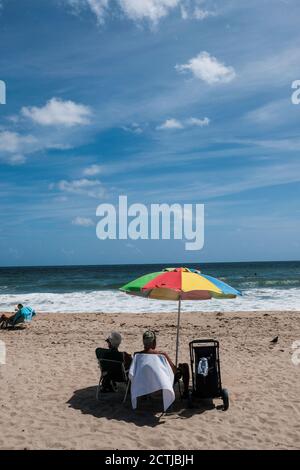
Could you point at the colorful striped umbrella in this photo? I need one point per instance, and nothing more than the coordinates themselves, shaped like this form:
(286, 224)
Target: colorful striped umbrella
(180, 284)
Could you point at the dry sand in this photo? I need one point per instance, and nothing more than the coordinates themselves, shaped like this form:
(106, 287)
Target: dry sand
(49, 382)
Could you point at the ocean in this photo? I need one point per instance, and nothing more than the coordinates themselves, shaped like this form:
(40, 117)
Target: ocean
(265, 286)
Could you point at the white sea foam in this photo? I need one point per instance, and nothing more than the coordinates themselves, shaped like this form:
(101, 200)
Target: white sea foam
(114, 301)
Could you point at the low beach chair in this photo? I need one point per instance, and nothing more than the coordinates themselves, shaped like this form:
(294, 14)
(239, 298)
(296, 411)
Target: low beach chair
(111, 363)
(22, 317)
(12, 324)
(150, 373)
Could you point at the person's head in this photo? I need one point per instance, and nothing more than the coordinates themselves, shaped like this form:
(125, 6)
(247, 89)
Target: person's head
(18, 307)
(149, 340)
(114, 340)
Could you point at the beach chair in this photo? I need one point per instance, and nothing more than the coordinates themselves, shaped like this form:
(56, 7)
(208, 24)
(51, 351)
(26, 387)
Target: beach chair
(206, 373)
(22, 317)
(148, 374)
(12, 324)
(111, 363)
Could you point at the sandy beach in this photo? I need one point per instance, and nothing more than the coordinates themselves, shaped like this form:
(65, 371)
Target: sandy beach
(49, 382)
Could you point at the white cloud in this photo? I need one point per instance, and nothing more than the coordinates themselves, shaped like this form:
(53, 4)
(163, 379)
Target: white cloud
(97, 7)
(172, 123)
(83, 222)
(194, 12)
(13, 142)
(184, 13)
(152, 10)
(14, 146)
(14, 118)
(198, 122)
(275, 112)
(84, 187)
(207, 68)
(17, 159)
(139, 10)
(92, 170)
(200, 14)
(58, 112)
(135, 128)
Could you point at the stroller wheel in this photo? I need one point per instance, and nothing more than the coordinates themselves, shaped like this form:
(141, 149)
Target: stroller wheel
(225, 398)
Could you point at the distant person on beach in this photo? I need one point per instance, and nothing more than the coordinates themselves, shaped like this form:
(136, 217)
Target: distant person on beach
(182, 371)
(22, 314)
(113, 342)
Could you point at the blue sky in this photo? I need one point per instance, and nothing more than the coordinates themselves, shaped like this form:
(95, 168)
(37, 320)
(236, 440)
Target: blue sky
(185, 101)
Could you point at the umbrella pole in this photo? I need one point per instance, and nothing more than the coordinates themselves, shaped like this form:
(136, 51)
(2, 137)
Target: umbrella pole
(177, 337)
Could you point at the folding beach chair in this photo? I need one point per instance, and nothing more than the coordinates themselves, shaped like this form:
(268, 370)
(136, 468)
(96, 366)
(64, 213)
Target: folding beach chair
(23, 316)
(148, 374)
(112, 367)
(11, 324)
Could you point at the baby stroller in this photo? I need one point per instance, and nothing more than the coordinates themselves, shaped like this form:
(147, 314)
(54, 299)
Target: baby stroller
(206, 375)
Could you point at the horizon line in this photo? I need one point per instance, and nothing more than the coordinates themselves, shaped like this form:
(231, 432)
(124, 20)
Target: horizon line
(143, 264)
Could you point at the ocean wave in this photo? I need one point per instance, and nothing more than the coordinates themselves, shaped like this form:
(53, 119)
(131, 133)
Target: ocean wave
(111, 301)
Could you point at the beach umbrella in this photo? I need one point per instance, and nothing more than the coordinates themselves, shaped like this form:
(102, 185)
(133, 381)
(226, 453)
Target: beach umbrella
(179, 284)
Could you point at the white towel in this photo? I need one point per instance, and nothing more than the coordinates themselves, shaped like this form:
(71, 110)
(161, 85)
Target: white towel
(148, 374)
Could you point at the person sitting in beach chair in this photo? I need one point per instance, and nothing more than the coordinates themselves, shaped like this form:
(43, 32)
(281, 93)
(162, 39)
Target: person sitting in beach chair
(22, 315)
(148, 374)
(180, 372)
(114, 365)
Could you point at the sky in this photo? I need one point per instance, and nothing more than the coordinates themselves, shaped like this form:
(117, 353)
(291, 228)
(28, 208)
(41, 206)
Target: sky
(164, 101)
